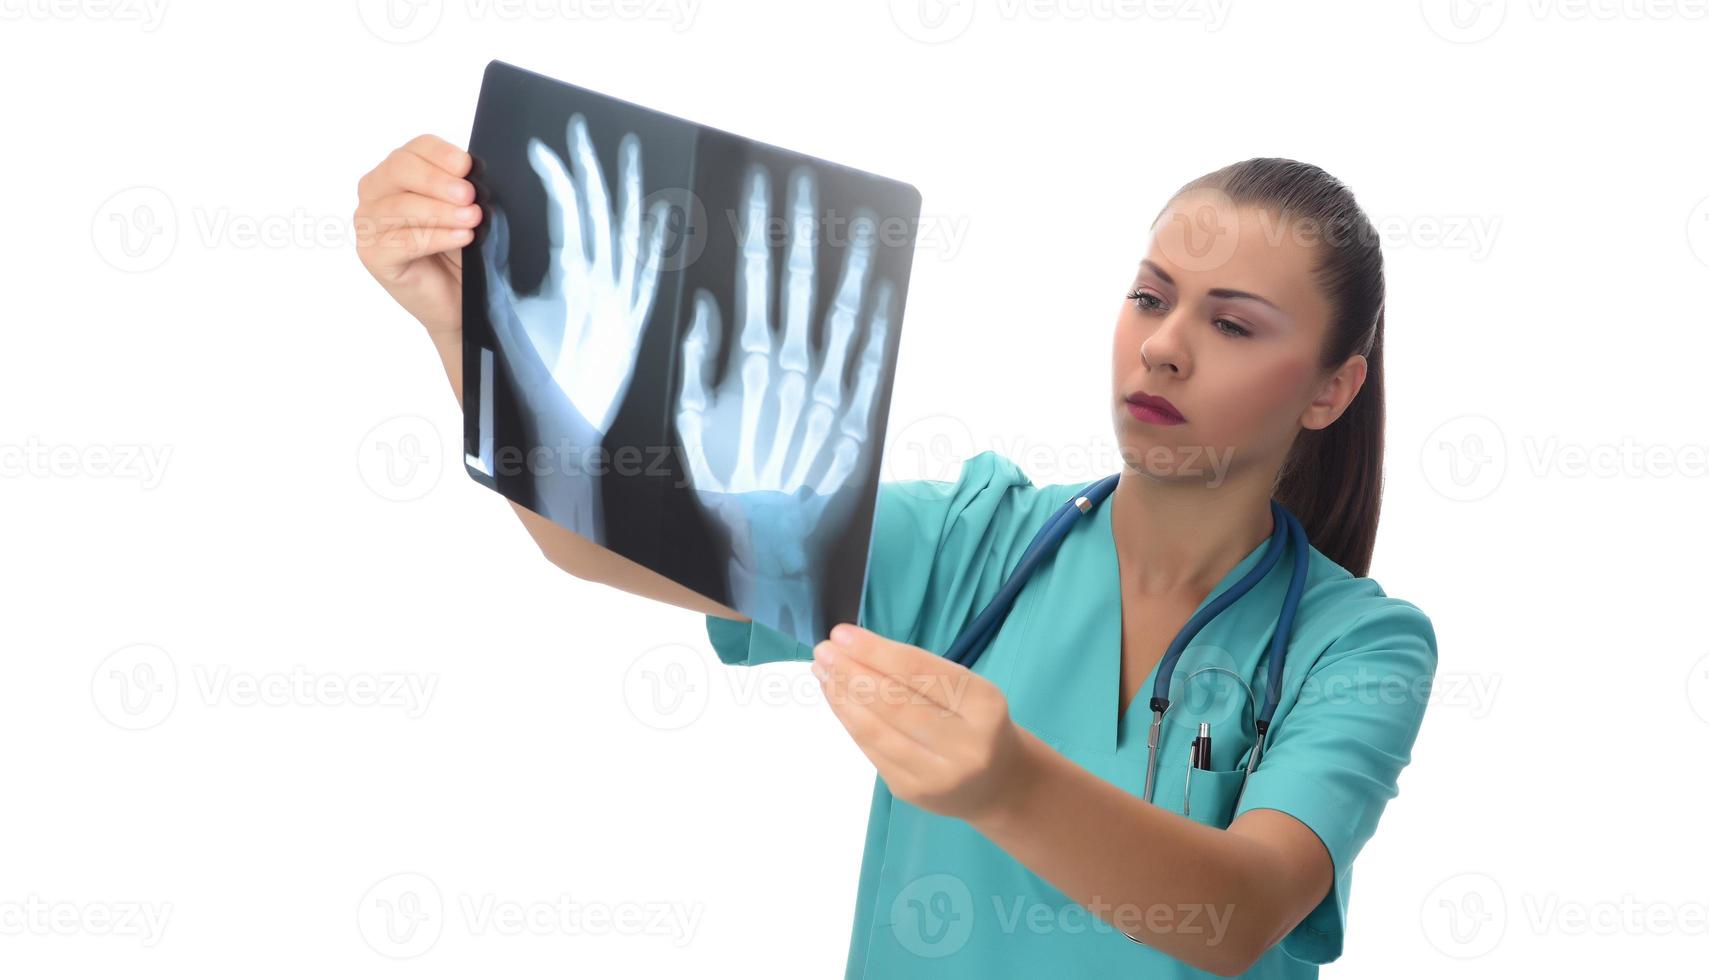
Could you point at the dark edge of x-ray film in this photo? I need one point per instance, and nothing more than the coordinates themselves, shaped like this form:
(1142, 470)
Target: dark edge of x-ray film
(651, 513)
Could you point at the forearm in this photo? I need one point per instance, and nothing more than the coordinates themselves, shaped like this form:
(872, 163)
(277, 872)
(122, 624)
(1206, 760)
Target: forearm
(587, 560)
(450, 349)
(570, 551)
(1195, 892)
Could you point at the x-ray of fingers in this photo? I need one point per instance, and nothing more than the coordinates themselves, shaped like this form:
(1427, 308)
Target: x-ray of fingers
(679, 343)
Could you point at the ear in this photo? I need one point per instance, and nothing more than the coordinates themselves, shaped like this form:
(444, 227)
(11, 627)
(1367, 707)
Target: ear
(1335, 394)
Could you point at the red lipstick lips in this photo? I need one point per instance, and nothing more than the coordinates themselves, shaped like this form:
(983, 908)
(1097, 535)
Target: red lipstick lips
(1154, 409)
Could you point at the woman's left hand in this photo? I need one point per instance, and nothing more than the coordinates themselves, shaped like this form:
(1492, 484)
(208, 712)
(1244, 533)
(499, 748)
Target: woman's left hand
(939, 734)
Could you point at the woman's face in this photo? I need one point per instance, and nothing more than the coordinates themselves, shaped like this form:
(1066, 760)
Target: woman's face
(1232, 326)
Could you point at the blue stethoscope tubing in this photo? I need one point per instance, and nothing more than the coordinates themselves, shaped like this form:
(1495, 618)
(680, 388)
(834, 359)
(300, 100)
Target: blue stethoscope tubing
(973, 640)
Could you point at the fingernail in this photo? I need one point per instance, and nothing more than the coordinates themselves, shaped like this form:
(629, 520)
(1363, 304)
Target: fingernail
(469, 213)
(842, 633)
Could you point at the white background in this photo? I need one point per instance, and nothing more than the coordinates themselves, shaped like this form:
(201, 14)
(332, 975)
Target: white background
(1539, 170)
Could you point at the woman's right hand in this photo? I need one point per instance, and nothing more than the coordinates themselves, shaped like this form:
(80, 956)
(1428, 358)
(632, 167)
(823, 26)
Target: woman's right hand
(414, 213)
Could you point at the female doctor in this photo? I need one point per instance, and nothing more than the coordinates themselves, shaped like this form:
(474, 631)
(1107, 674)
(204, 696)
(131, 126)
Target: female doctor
(1010, 833)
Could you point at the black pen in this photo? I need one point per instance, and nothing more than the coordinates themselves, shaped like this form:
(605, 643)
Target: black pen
(1200, 754)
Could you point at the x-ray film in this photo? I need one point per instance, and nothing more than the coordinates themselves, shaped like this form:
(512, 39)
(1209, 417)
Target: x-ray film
(679, 343)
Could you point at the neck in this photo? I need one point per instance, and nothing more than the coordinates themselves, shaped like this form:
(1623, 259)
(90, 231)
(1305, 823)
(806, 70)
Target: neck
(1181, 538)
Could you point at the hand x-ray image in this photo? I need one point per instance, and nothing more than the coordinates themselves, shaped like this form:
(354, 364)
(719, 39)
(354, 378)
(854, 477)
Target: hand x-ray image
(679, 343)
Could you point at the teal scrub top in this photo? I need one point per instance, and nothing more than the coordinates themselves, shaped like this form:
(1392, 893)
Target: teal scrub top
(937, 899)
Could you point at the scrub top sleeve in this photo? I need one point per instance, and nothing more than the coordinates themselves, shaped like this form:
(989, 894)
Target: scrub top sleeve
(1334, 759)
(931, 541)
(940, 549)
(745, 643)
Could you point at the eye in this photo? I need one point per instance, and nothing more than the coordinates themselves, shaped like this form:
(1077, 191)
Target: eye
(1136, 296)
(1227, 328)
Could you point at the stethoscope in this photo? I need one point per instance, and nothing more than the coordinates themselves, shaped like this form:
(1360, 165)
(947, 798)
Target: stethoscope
(972, 641)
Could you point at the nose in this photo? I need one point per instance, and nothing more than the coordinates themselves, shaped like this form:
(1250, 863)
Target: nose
(1166, 349)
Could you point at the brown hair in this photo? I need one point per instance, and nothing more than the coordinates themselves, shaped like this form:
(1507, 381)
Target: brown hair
(1332, 477)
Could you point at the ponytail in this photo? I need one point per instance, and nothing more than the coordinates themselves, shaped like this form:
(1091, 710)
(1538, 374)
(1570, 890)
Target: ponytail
(1332, 479)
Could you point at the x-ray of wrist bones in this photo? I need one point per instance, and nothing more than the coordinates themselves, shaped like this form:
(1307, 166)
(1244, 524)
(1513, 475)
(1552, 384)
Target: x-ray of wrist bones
(584, 324)
(773, 486)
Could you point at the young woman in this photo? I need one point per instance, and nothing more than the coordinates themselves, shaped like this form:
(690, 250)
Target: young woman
(1010, 834)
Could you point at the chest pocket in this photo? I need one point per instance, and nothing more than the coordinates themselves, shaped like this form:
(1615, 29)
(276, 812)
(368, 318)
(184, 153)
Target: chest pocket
(1208, 798)
(1206, 688)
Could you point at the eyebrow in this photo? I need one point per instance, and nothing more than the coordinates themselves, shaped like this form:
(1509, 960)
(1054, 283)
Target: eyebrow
(1219, 292)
